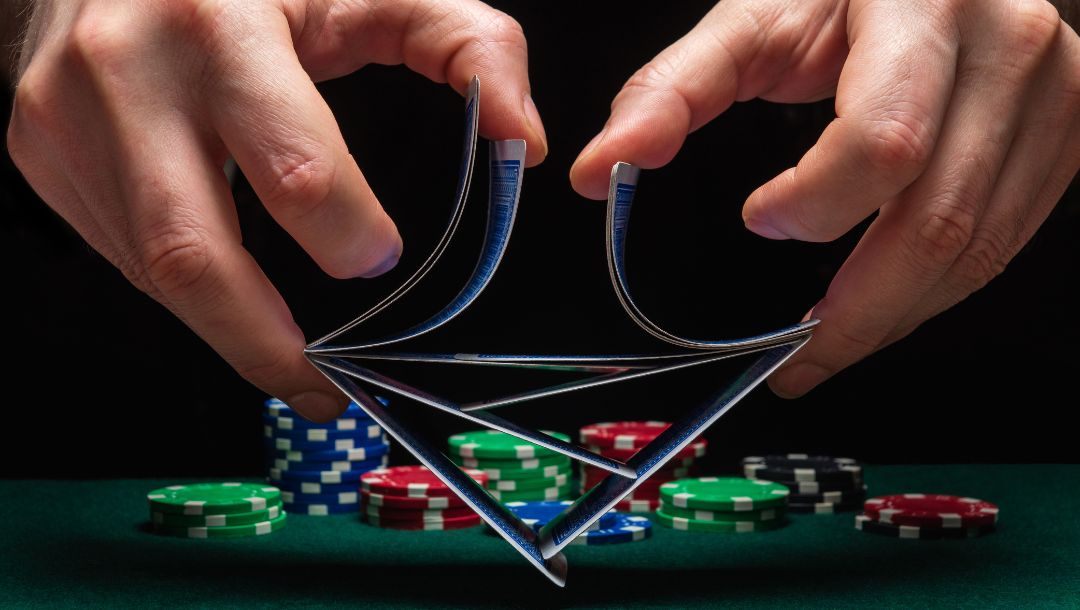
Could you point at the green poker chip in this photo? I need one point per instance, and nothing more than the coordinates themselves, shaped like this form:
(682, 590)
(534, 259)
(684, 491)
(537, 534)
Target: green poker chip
(763, 514)
(227, 531)
(734, 527)
(530, 495)
(560, 480)
(499, 445)
(724, 494)
(518, 474)
(177, 520)
(213, 498)
(536, 463)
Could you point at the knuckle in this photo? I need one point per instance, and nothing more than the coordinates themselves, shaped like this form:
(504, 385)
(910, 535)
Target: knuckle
(987, 256)
(31, 112)
(1031, 27)
(98, 44)
(174, 260)
(898, 141)
(503, 28)
(206, 23)
(943, 233)
(299, 184)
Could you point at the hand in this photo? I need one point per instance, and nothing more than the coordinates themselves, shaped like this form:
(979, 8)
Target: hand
(957, 121)
(126, 111)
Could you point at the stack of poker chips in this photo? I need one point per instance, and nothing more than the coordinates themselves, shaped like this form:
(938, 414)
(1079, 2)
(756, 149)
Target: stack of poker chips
(516, 470)
(318, 466)
(216, 510)
(620, 441)
(819, 484)
(722, 504)
(927, 516)
(611, 528)
(413, 498)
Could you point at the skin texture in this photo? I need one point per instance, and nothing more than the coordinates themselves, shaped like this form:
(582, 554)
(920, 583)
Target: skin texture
(125, 113)
(958, 124)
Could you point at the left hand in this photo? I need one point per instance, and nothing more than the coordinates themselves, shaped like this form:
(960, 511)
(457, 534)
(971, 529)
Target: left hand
(957, 120)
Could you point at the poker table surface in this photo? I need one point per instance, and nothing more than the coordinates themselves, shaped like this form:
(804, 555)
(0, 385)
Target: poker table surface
(86, 543)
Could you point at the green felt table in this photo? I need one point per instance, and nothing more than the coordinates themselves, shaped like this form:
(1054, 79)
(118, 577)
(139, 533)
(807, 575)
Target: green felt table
(86, 543)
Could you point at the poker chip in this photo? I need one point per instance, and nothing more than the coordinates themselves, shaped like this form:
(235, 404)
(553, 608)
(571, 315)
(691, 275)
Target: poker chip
(341, 444)
(695, 449)
(546, 493)
(345, 455)
(823, 508)
(536, 463)
(344, 497)
(765, 514)
(514, 474)
(328, 476)
(444, 524)
(723, 494)
(931, 510)
(373, 460)
(737, 527)
(213, 498)
(637, 506)
(281, 422)
(913, 532)
(396, 514)
(800, 467)
(498, 445)
(537, 514)
(527, 484)
(369, 431)
(412, 503)
(414, 481)
(810, 488)
(627, 528)
(185, 521)
(320, 509)
(312, 487)
(224, 531)
(622, 434)
(847, 496)
(318, 466)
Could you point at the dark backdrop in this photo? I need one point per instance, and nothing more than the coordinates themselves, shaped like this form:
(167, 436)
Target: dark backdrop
(101, 381)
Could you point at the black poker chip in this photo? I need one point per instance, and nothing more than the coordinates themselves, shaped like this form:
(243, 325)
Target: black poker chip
(912, 532)
(803, 468)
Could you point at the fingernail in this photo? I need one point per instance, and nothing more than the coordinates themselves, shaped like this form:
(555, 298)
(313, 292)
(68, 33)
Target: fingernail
(764, 229)
(388, 264)
(536, 124)
(798, 379)
(317, 406)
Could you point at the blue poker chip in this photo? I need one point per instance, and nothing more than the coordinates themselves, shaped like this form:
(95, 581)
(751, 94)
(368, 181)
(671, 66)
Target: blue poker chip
(295, 422)
(627, 528)
(365, 452)
(300, 460)
(538, 514)
(315, 488)
(276, 408)
(320, 509)
(366, 431)
(329, 476)
(341, 444)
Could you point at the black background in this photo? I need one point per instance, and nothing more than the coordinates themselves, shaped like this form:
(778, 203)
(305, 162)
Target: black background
(101, 381)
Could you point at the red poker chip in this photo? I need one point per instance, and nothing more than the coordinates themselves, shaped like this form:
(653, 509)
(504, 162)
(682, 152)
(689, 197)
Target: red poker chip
(931, 510)
(695, 449)
(411, 481)
(455, 523)
(407, 503)
(402, 514)
(622, 434)
(653, 482)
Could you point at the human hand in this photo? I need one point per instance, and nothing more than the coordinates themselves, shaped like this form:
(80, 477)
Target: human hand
(957, 121)
(125, 113)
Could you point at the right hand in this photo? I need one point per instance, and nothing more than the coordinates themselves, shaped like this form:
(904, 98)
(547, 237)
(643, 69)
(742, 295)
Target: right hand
(125, 113)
